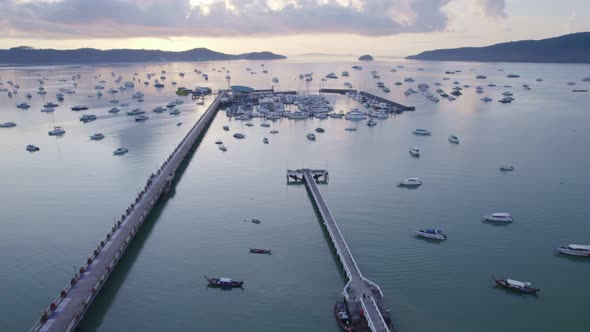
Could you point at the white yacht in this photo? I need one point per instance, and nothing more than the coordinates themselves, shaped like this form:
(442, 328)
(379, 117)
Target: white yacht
(435, 234)
(311, 136)
(575, 250)
(414, 151)
(120, 151)
(97, 137)
(499, 216)
(454, 139)
(422, 132)
(410, 183)
(57, 131)
(355, 115)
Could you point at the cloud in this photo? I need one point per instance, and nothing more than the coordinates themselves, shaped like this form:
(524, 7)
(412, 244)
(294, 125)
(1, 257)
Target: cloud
(492, 8)
(205, 18)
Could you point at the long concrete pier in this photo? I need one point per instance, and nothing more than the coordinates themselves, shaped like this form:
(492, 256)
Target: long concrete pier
(359, 292)
(68, 309)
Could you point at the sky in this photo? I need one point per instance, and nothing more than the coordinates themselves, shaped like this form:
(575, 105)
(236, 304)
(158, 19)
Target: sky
(393, 28)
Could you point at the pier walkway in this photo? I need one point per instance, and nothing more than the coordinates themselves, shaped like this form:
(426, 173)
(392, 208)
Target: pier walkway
(67, 310)
(359, 292)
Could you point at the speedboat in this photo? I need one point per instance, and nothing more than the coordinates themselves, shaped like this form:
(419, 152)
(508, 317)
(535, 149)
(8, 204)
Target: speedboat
(32, 148)
(422, 132)
(50, 105)
(499, 216)
(342, 317)
(350, 128)
(264, 124)
(414, 151)
(23, 106)
(48, 110)
(226, 128)
(454, 139)
(249, 124)
(57, 131)
(575, 250)
(435, 234)
(141, 118)
(87, 118)
(410, 183)
(260, 251)
(159, 109)
(265, 140)
(371, 123)
(135, 111)
(506, 168)
(79, 108)
(320, 130)
(518, 286)
(97, 137)
(239, 135)
(114, 110)
(224, 283)
(274, 131)
(175, 112)
(120, 151)
(311, 136)
(222, 147)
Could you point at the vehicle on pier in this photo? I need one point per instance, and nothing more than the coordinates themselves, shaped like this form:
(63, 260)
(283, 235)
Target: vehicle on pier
(260, 251)
(224, 283)
(342, 317)
(515, 285)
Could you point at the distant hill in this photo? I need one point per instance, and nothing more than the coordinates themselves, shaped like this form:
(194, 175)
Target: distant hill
(572, 48)
(29, 55)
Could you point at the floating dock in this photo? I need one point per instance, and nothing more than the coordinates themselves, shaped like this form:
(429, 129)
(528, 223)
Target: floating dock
(364, 298)
(68, 309)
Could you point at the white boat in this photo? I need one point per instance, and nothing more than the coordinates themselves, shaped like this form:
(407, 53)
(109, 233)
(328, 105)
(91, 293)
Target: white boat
(141, 118)
(414, 151)
(410, 182)
(23, 106)
(222, 147)
(48, 110)
(175, 112)
(264, 124)
(371, 123)
(422, 132)
(239, 135)
(506, 168)
(265, 140)
(57, 131)
(311, 136)
(435, 234)
(135, 111)
(499, 216)
(454, 139)
(7, 125)
(120, 151)
(159, 109)
(32, 148)
(355, 115)
(87, 118)
(97, 137)
(575, 250)
(114, 110)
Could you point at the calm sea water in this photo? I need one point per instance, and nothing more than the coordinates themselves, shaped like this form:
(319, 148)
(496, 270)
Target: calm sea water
(57, 204)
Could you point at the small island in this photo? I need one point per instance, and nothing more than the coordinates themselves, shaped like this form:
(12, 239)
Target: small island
(366, 57)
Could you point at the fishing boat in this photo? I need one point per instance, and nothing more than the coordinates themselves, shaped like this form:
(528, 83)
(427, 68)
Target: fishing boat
(575, 250)
(515, 285)
(224, 283)
(342, 317)
(435, 234)
(260, 251)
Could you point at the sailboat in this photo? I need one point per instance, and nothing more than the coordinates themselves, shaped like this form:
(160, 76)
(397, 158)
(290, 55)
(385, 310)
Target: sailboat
(56, 131)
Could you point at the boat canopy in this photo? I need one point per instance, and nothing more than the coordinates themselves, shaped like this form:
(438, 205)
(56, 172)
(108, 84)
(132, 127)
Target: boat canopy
(501, 215)
(433, 231)
(516, 283)
(579, 247)
(225, 280)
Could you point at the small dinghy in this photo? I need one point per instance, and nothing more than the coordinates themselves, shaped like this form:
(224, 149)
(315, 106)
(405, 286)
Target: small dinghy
(224, 283)
(515, 285)
(260, 251)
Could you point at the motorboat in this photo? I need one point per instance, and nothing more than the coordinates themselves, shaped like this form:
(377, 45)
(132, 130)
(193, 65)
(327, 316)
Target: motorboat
(175, 112)
(50, 105)
(23, 106)
(48, 110)
(350, 128)
(79, 108)
(120, 151)
(371, 123)
(410, 183)
(57, 131)
(97, 137)
(435, 234)
(320, 130)
(311, 136)
(512, 76)
(454, 139)
(141, 118)
(224, 283)
(222, 147)
(88, 117)
(515, 285)
(414, 151)
(265, 124)
(179, 124)
(171, 105)
(239, 135)
(575, 250)
(355, 115)
(506, 168)
(274, 131)
(114, 110)
(499, 216)
(135, 111)
(481, 77)
(342, 317)
(422, 132)
(159, 109)
(226, 128)
(265, 140)
(260, 251)
(249, 124)
(486, 99)
(32, 148)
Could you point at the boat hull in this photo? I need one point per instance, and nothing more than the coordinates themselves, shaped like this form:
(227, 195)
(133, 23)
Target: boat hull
(524, 290)
(567, 251)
